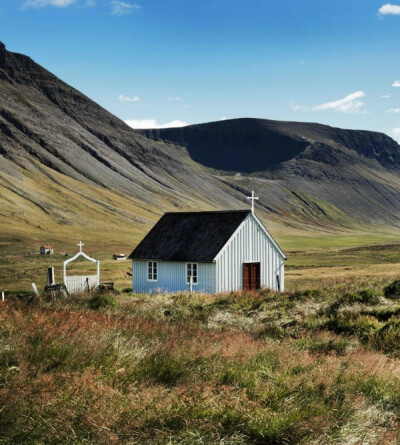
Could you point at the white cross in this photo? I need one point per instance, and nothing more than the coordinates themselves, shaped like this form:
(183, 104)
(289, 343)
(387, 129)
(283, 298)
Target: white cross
(253, 198)
(80, 245)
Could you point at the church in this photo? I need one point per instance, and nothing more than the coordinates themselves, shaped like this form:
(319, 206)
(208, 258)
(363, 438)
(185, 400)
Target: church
(211, 252)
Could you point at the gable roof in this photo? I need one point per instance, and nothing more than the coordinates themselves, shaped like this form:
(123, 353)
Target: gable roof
(189, 236)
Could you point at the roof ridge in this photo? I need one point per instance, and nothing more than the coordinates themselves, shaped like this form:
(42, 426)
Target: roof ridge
(209, 211)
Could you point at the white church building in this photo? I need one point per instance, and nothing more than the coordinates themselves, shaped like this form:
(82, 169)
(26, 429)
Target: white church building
(217, 251)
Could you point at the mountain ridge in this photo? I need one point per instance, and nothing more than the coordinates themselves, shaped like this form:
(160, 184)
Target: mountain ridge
(297, 135)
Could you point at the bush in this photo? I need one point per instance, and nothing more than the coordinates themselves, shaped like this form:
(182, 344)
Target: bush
(365, 326)
(161, 368)
(368, 296)
(362, 326)
(308, 293)
(365, 296)
(322, 346)
(99, 301)
(387, 338)
(392, 290)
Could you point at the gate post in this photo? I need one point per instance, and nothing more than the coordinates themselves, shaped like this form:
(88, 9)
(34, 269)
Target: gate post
(98, 272)
(50, 276)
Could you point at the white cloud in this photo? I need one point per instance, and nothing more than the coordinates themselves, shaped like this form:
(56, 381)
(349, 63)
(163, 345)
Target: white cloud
(173, 99)
(296, 107)
(396, 83)
(385, 96)
(393, 110)
(223, 118)
(119, 7)
(389, 9)
(43, 3)
(152, 123)
(349, 104)
(123, 98)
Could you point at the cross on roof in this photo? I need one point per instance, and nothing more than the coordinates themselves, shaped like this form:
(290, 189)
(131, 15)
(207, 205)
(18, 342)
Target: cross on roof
(80, 246)
(252, 198)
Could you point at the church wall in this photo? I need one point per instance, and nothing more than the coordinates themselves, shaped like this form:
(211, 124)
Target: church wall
(249, 244)
(171, 278)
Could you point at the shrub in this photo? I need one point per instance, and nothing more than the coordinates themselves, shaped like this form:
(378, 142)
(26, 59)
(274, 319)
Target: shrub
(392, 290)
(364, 326)
(388, 337)
(323, 346)
(365, 296)
(368, 296)
(161, 368)
(99, 301)
(308, 293)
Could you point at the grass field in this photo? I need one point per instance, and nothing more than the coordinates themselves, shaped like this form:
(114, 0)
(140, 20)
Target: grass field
(314, 366)
(318, 364)
(313, 255)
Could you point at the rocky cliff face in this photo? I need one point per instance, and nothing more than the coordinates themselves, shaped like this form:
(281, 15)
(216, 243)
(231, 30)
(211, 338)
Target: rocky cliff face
(2, 55)
(251, 145)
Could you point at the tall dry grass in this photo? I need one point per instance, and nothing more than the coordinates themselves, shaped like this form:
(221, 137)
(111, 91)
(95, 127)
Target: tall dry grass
(311, 366)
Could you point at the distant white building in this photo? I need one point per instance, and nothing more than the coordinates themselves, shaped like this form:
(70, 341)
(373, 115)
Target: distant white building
(119, 256)
(46, 250)
(210, 252)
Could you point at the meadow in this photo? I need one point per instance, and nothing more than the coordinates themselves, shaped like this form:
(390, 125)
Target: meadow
(318, 364)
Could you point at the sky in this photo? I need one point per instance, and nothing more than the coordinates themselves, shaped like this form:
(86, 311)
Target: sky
(157, 63)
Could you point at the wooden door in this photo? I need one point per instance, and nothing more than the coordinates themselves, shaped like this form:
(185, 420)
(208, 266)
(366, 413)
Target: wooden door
(251, 276)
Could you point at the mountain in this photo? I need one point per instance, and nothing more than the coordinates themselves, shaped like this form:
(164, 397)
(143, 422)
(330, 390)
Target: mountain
(357, 172)
(251, 145)
(68, 163)
(71, 169)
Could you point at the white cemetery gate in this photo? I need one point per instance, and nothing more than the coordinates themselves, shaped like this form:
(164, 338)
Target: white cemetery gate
(81, 283)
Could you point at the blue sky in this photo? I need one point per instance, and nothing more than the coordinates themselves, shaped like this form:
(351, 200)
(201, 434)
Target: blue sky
(153, 62)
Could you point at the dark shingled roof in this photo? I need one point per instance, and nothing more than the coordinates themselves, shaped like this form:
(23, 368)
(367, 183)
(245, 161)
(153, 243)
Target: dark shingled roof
(189, 236)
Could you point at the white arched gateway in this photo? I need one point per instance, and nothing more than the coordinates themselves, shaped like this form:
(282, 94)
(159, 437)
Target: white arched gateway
(81, 283)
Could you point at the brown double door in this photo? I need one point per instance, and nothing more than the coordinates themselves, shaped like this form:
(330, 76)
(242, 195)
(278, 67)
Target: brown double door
(251, 276)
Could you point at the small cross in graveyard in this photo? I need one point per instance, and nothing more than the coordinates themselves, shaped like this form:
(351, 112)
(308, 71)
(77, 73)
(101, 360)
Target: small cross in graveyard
(80, 246)
(252, 198)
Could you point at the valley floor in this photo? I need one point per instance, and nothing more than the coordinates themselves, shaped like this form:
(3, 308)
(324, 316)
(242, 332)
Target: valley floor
(311, 257)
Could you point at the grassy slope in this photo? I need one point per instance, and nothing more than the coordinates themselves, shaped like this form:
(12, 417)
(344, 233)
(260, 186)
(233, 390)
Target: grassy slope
(312, 366)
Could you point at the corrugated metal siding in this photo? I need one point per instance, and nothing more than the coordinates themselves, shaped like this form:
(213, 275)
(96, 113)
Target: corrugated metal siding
(81, 283)
(171, 278)
(249, 244)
